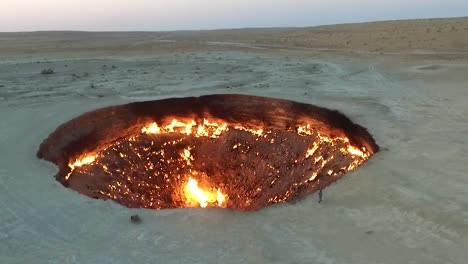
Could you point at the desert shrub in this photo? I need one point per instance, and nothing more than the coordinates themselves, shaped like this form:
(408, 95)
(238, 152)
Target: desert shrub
(47, 71)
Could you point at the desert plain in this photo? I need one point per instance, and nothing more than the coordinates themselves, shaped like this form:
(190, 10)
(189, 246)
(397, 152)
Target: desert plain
(405, 81)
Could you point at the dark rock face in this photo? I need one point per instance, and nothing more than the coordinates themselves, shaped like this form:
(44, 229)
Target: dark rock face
(264, 154)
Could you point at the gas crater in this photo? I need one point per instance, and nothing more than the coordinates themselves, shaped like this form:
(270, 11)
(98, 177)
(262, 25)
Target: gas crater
(230, 151)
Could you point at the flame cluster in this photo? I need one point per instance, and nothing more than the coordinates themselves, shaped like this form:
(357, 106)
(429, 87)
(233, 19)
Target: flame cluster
(168, 163)
(197, 196)
(205, 129)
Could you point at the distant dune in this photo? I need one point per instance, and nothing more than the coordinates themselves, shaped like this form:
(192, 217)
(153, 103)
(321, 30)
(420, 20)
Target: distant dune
(405, 36)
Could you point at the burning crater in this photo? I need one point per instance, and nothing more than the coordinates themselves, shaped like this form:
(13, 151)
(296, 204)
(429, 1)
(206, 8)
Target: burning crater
(232, 151)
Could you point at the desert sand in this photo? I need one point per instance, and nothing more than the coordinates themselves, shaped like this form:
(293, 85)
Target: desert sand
(405, 81)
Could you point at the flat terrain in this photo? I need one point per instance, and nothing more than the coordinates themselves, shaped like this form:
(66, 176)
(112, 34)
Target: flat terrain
(426, 36)
(406, 81)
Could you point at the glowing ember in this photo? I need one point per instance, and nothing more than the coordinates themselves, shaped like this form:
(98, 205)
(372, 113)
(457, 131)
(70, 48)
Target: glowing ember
(242, 157)
(163, 155)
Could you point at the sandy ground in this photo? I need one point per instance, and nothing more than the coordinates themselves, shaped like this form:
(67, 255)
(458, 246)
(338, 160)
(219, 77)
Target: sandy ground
(408, 204)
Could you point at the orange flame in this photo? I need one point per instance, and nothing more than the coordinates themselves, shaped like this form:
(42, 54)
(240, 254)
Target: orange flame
(205, 129)
(219, 197)
(357, 152)
(151, 129)
(195, 195)
(80, 162)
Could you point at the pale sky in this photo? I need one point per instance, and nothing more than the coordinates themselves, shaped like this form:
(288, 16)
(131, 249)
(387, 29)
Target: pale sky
(159, 15)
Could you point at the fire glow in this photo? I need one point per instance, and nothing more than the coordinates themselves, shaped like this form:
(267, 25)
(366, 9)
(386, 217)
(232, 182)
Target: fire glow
(200, 160)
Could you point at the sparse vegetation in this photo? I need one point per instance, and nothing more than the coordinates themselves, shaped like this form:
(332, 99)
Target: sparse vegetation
(47, 71)
(135, 219)
(77, 76)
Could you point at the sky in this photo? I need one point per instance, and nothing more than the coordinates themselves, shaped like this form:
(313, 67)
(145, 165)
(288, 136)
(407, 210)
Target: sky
(162, 15)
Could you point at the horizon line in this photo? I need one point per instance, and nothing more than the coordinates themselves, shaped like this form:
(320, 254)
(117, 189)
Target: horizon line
(219, 29)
